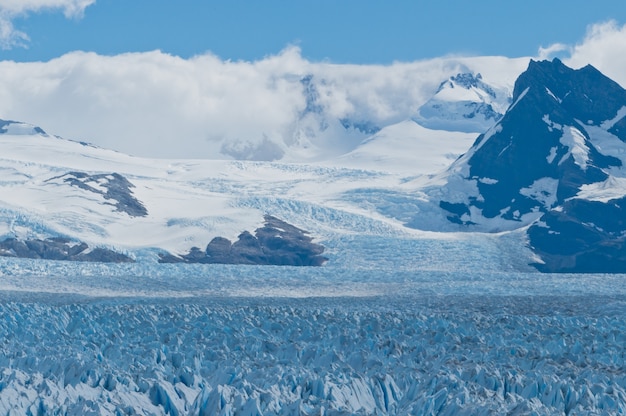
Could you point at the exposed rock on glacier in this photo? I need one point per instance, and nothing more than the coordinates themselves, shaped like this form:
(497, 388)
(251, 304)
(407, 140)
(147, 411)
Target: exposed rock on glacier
(112, 186)
(584, 236)
(59, 249)
(276, 243)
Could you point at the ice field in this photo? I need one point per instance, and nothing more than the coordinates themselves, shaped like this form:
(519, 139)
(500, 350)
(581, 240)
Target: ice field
(382, 335)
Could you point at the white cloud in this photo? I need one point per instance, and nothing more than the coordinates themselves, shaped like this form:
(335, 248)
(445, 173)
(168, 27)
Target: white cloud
(9, 36)
(71, 8)
(155, 104)
(553, 50)
(604, 46)
(10, 9)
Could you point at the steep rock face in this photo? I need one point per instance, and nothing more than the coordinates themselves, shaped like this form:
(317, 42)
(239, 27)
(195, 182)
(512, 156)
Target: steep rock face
(540, 153)
(563, 133)
(276, 243)
(583, 236)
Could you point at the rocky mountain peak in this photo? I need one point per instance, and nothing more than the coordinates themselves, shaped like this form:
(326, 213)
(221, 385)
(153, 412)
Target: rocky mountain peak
(562, 134)
(585, 93)
(541, 139)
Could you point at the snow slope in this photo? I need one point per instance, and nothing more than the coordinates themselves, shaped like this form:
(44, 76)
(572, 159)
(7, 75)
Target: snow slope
(407, 148)
(188, 202)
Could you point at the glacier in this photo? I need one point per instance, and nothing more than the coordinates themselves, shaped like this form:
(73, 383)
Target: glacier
(411, 314)
(424, 331)
(399, 321)
(424, 355)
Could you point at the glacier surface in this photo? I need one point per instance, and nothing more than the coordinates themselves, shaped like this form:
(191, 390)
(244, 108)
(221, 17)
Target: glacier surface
(369, 333)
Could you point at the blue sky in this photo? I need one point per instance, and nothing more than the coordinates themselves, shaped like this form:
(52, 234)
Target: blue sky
(342, 31)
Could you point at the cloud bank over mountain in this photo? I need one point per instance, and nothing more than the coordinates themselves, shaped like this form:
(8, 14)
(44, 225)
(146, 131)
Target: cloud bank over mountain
(604, 47)
(158, 105)
(155, 104)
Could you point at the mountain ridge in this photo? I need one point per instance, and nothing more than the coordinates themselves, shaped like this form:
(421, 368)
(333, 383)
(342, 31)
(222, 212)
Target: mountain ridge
(531, 166)
(542, 171)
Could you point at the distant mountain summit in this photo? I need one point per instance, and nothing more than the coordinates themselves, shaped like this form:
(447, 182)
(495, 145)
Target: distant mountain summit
(553, 162)
(464, 103)
(19, 128)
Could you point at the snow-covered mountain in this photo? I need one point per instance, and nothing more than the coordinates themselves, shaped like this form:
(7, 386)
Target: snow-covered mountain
(337, 111)
(69, 200)
(554, 162)
(549, 171)
(464, 103)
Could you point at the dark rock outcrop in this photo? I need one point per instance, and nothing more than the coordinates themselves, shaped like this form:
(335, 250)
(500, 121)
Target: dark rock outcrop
(276, 243)
(117, 189)
(219, 250)
(59, 249)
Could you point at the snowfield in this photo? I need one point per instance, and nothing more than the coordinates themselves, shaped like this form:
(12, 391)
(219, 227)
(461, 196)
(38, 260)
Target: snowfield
(189, 202)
